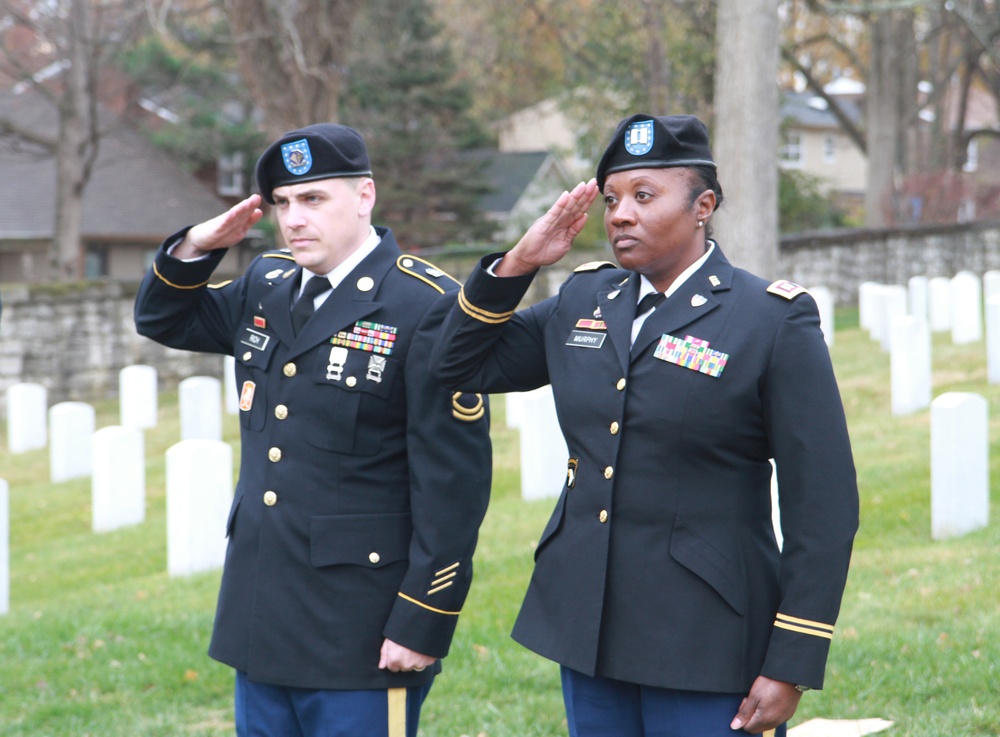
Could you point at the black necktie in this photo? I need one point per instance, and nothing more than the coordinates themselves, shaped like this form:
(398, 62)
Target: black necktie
(305, 306)
(648, 302)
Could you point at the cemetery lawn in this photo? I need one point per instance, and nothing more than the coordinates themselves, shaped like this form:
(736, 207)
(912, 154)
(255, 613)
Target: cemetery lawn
(101, 642)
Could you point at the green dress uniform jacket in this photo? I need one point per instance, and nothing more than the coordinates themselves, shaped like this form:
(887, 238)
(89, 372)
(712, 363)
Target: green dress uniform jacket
(362, 481)
(660, 565)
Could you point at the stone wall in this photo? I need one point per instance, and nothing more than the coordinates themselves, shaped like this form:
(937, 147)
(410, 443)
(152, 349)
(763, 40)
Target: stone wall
(75, 338)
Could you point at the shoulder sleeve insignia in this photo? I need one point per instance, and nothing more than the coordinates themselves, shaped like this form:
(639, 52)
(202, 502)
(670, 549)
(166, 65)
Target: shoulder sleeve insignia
(426, 272)
(786, 289)
(221, 284)
(467, 407)
(593, 266)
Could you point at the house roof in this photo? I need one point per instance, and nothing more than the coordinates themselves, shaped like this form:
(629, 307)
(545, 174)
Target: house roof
(136, 192)
(508, 174)
(808, 110)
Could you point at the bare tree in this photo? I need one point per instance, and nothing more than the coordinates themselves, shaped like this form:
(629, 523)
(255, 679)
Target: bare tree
(746, 132)
(292, 55)
(57, 50)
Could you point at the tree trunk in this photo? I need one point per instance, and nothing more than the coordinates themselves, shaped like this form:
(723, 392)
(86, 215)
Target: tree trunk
(746, 133)
(292, 55)
(888, 110)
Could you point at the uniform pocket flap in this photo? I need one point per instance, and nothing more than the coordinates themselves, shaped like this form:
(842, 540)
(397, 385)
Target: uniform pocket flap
(370, 540)
(703, 559)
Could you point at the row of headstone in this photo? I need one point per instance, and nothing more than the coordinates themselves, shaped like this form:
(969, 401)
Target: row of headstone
(902, 319)
(29, 420)
(954, 304)
(199, 467)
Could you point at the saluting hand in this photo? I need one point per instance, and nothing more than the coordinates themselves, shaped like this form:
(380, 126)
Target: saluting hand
(222, 231)
(768, 704)
(550, 237)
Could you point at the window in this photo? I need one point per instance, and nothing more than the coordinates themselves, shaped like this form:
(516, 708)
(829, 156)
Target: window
(829, 149)
(95, 264)
(230, 176)
(790, 152)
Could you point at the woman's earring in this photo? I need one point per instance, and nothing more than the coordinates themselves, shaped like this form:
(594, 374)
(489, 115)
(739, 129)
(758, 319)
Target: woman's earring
(701, 223)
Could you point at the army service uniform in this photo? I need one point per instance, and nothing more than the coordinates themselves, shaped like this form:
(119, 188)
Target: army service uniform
(362, 481)
(659, 565)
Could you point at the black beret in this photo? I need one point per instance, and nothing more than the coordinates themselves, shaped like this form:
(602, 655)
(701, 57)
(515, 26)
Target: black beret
(321, 151)
(646, 142)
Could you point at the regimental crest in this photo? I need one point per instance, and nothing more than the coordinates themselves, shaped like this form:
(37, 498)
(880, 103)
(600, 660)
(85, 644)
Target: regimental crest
(639, 137)
(297, 157)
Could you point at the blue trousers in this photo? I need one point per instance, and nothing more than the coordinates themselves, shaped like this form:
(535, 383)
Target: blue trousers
(263, 710)
(604, 707)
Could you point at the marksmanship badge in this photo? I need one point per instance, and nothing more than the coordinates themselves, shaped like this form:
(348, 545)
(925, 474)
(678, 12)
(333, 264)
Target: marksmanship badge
(297, 157)
(639, 138)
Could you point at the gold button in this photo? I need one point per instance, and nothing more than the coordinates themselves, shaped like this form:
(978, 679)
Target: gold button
(290, 369)
(270, 498)
(351, 381)
(615, 427)
(621, 384)
(374, 557)
(281, 411)
(274, 454)
(603, 516)
(609, 472)
(247, 356)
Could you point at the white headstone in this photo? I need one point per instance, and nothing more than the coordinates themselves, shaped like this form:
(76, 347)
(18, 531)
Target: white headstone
(4, 547)
(71, 425)
(137, 396)
(27, 410)
(966, 308)
(513, 407)
(199, 494)
(890, 303)
(993, 339)
(939, 304)
(543, 449)
(910, 365)
(960, 480)
(991, 284)
(232, 393)
(917, 287)
(824, 302)
(118, 484)
(866, 305)
(201, 408)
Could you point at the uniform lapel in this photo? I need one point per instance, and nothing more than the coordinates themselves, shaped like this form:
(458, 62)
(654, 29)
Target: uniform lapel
(617, 303)
(276, 302)
(353, 300)
(696, 298)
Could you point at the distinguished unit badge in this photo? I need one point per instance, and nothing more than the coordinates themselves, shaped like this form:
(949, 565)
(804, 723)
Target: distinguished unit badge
(639, 137)
(297, 157)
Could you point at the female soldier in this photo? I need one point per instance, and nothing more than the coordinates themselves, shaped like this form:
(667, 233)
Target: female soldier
(659, 586)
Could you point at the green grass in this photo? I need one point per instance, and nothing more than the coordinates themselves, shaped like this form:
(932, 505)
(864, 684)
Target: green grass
(101, 642)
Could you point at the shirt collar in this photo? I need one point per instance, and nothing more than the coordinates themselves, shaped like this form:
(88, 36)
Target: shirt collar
(646, 287)
(341, 270)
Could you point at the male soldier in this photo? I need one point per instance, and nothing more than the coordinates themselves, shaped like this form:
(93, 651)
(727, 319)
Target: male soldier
(363, 481)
